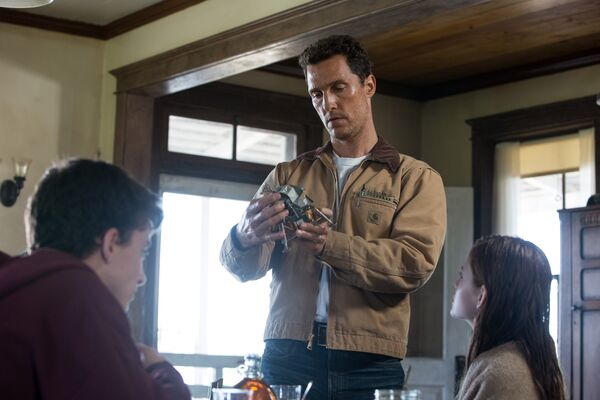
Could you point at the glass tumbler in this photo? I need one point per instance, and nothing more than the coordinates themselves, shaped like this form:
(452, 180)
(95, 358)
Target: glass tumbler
(396, 394)
(231, 394)
(287, 392)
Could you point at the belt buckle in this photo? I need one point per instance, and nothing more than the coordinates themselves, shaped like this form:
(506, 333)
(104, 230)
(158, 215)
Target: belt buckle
(322, 335)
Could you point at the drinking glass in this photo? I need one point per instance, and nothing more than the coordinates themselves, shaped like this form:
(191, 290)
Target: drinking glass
(231, 394)
(410, 394)
(287, 392)
(396, 394)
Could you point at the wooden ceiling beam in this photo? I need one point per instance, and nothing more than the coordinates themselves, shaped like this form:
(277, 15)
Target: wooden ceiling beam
(270, 40)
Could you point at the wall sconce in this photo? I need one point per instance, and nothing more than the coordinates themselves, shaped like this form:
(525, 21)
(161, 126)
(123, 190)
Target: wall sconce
(10, 189)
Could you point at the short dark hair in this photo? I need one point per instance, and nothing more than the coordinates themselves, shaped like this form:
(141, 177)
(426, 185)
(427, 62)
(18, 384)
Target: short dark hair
(78, 200)
(356, 55)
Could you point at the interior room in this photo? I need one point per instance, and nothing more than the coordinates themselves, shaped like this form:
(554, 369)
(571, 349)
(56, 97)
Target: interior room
(501, 97)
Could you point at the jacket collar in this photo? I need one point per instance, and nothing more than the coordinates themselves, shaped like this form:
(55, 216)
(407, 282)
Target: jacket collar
(382, 152)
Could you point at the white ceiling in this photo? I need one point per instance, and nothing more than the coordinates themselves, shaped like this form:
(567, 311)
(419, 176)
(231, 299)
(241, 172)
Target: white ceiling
(98, 12)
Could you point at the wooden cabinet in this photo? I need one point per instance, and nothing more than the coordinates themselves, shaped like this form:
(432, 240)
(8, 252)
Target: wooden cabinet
(579, 326)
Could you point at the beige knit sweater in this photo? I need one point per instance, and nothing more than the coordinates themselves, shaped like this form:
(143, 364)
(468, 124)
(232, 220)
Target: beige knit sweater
(499, 374)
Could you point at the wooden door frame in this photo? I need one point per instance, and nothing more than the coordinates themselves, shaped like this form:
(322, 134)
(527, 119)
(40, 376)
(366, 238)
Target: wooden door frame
(245, 48)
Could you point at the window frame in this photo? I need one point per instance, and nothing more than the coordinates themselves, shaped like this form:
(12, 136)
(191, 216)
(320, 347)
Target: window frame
(539, 122)
(223, 103)
(236, 105)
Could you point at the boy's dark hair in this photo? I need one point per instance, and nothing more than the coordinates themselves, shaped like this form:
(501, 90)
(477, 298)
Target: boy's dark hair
(78, 200)
(356, 56)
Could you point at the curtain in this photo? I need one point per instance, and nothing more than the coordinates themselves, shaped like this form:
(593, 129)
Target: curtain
(587, 165)
(506, 188)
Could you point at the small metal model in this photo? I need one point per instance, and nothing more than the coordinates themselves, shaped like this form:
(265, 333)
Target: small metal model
(300, 208)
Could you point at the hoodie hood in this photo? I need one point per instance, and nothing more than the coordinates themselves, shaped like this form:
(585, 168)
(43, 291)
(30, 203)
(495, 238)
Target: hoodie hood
(18, 272)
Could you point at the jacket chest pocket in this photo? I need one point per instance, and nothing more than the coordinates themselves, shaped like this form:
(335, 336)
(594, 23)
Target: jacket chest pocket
(372, 213)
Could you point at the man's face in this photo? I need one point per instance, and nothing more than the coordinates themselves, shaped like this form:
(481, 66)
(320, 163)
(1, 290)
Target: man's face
(126, 272)
(340, 99)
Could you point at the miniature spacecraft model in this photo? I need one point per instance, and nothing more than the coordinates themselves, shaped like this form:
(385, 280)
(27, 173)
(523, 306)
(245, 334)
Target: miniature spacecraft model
(300, 208)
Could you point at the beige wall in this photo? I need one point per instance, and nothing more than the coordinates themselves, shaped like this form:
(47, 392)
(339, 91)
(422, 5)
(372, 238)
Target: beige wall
(58, 96)
(397, 120)
(49, 108)
(446, 137)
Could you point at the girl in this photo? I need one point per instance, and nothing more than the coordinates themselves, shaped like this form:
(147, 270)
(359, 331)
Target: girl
(503, 292)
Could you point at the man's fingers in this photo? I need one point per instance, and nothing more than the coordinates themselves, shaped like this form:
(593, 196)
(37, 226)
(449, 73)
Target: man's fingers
(328, 212)
(269, 216)
(318, 229)
(257, 205)
(264, 223)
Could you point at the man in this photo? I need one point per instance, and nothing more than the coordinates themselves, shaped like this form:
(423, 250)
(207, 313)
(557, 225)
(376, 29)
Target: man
(63, 330)
(340, 306)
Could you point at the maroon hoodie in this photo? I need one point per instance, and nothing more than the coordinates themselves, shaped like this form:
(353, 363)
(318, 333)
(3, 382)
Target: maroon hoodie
(64, 336)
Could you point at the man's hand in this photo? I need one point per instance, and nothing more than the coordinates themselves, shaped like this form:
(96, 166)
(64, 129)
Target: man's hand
(149, 355)
(259, 219)
(313, 237)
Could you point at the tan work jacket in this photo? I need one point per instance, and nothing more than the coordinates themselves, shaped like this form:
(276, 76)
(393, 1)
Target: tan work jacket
(388, 234)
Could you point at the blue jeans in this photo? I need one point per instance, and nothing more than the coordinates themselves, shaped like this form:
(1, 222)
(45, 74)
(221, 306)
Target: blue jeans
(336, 374)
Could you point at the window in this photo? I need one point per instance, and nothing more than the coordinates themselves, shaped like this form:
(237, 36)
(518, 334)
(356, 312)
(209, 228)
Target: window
(534, 179)
(202, 308)
(217, 139)
(544, 121)
(264, 146)
(200, 137)
(539, 199)
(214, 145)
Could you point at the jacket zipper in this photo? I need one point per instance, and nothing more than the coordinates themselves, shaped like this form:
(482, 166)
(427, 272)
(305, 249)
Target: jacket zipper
(337, 207)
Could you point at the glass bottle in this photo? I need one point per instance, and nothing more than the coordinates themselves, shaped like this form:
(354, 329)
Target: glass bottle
(253, 379)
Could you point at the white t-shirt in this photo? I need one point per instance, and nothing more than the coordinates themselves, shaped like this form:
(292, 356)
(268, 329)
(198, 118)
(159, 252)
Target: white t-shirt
(344, 167)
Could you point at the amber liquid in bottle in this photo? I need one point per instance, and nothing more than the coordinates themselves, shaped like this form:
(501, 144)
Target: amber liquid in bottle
(260, 390)
(253, 379)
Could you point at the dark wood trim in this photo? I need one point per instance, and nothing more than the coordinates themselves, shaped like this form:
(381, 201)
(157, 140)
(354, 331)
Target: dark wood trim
(463, 85)
(310, 13)
(146, 15)
(388, 88)
(247, 101)
(284, 69)
(51, 24)
(167, 7)
(270, 40)
(531, 123)
(565, 289)
(510, 75)
(237, 105)
(134, 123)
(115, 28)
